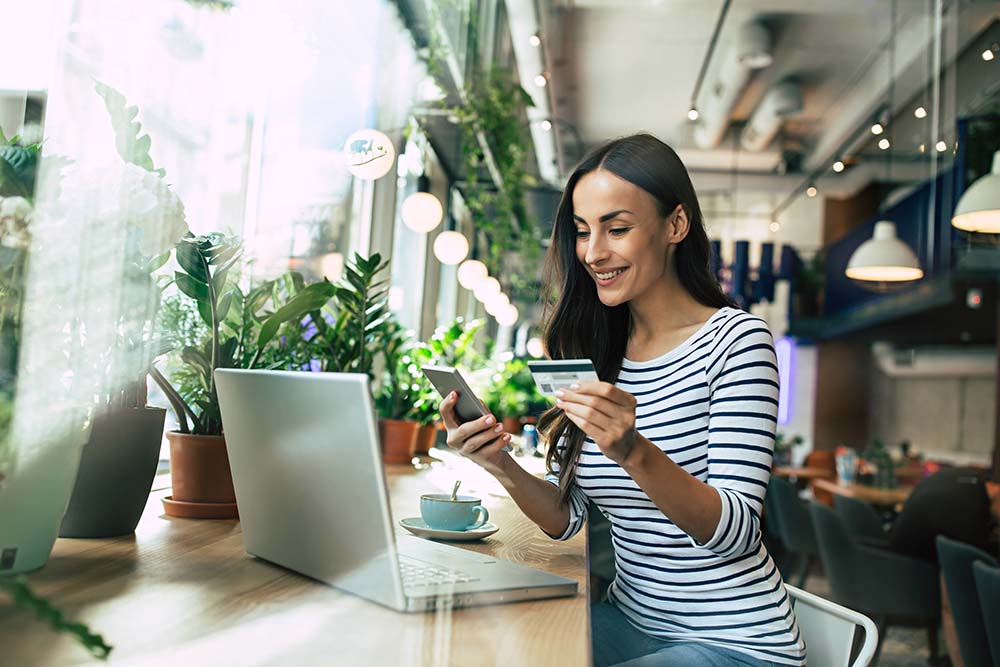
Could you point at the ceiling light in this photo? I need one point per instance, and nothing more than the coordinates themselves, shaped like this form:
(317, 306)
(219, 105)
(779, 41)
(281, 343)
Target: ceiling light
(838, 166)
(884, 144)
(535, 40)
(541, 80)
(884, 258)
(978, 209)
(471, 272)
(754, 46)
(693, 114)
(811, 191)
(988, 55)
(508, 316)
(535, 347)
(877, 129)
(451, 247)
(486, 288)
(920, 112)
(546, 125)
(941, 146)
(421, 211)
(495, 303)
(775, 226)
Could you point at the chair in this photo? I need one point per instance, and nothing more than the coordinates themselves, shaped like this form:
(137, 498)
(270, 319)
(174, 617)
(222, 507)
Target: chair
(795, 524)
(828, 630)
(956, 560)
(861, 520)
(886, 586)
(988, 589)
(826, 460)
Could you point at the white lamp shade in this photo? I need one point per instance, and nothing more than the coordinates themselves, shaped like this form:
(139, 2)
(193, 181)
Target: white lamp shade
(884, 258)
(471, 272)
(370, 154)
(487, 288)
(508, 316)
(421, 212)
(451, 247)
(496, 303)
(979, 208)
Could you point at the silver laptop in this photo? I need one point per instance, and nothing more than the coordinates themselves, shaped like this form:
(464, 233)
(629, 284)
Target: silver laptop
(307, 468)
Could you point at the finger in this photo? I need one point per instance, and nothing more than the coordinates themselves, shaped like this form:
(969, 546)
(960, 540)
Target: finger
(598, 403)
(481, 438)
(605, 389)
(587, 427)
(447, 411)
(482, 444)
(469, 429)
(595, 419)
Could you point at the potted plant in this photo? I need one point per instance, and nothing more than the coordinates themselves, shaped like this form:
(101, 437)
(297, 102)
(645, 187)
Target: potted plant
(783, 446)
(396, 398)
(232, 329)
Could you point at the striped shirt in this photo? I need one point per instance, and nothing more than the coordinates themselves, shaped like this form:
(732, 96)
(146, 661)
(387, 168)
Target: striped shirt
(710, 404)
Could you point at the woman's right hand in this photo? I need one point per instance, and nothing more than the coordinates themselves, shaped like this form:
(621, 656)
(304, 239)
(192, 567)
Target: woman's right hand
(481, 440)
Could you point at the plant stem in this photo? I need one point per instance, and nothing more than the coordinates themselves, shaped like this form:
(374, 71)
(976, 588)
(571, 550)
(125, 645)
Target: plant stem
(181, 409)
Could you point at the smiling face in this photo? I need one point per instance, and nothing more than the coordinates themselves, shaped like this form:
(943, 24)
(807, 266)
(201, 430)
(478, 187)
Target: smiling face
(622, 240)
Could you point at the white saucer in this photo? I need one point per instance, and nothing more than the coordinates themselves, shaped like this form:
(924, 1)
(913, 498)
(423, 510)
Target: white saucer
(417, 526)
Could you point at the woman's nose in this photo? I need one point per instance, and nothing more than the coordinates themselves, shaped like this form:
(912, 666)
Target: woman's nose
(596, 250)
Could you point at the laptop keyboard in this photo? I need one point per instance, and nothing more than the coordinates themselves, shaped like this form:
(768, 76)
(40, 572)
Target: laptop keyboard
(419, 573)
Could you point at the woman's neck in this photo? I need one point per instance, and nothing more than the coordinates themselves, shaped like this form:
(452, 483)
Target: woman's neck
(664, 308)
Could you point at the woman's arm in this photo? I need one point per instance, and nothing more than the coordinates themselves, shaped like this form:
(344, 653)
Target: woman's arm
(483, 441)
(722, 515)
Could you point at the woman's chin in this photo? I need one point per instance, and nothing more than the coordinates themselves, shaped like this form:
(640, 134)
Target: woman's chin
(610, 299)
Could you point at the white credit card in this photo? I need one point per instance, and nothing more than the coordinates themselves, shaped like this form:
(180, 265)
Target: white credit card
(560, 374)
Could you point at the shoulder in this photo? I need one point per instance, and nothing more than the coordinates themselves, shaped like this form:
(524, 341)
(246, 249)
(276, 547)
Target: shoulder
(740, 333)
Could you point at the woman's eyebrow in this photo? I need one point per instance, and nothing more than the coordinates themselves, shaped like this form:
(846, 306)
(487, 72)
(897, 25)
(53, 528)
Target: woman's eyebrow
(605, 217)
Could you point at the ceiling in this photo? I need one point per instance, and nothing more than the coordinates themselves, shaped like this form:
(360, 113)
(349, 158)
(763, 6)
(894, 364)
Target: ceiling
(621, 66)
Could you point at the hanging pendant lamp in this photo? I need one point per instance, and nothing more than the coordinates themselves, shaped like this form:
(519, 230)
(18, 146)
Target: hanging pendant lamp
(883, 262)
(978, 209)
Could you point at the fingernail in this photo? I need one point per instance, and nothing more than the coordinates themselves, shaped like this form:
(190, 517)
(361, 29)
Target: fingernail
(489, 420)
(452, 395)
(574, 386)
(498, 428)
(558, 402)
(506, 438)
(559, 392)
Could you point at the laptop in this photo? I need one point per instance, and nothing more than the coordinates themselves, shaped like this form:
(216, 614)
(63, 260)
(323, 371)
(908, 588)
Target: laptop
(307, 468)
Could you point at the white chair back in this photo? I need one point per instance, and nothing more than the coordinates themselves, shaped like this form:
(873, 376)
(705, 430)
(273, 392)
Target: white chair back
(828, 630)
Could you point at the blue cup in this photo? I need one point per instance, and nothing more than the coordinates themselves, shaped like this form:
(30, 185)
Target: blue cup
(440, 512)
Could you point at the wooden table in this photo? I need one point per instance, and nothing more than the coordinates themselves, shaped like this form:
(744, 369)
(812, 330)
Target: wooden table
(803, 473)
(869, 494)
(185, 592)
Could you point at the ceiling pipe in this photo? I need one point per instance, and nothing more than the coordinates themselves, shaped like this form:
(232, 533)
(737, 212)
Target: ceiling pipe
(778, 102)
(523, 21)
(752, 49)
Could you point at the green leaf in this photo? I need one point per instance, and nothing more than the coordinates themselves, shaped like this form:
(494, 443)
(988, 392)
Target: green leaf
(132, 146)
(11, 184)
(205, 310)
(193, 288)
(191, 260)
(158, 262)
(313, 297)
(224, 304)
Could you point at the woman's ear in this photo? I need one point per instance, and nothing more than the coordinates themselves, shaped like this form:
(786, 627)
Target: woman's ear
(679, 224)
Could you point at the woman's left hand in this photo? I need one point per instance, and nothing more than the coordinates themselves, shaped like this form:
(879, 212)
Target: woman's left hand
(605, 413)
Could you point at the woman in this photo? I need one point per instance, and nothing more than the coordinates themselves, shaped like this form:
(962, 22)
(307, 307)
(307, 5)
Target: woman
(675, 445)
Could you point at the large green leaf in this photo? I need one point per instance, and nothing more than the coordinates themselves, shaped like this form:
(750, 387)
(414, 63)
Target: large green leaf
(192, 287)
(132, 146)
(191, 260)
(313, 297)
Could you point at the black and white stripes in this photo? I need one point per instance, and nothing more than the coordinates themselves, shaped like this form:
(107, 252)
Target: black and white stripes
(710, 404)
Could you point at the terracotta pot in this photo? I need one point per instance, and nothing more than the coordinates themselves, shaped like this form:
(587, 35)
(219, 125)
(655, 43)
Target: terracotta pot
(399, 439)
(512, 425)
(199, 469)
(426, 437)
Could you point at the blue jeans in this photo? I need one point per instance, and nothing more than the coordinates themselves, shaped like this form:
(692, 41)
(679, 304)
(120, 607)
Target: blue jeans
(618, 642)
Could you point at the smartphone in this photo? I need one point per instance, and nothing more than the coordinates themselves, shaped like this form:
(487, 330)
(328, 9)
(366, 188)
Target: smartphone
(446, 380)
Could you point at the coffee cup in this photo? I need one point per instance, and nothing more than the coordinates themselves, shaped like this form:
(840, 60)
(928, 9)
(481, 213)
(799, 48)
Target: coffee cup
(440, 512)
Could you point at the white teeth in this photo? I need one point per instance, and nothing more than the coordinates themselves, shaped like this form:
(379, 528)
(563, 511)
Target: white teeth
(608, 276)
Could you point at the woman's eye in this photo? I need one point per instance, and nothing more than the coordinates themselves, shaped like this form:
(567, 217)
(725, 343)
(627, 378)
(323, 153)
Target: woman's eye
(582, 233)
(618, 231)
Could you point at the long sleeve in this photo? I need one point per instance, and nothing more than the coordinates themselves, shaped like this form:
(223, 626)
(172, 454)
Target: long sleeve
(742, 374)
(577, 504)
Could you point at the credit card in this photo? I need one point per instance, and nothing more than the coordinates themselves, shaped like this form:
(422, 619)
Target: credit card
(560, 374)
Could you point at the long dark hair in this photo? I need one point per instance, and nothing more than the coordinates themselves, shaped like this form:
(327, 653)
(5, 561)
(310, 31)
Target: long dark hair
(578, 325)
